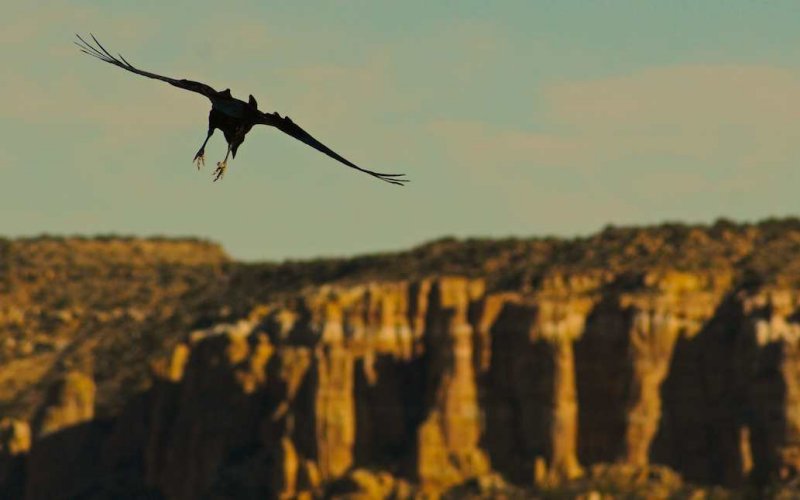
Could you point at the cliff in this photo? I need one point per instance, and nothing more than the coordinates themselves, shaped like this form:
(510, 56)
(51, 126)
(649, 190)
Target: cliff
(636, 374)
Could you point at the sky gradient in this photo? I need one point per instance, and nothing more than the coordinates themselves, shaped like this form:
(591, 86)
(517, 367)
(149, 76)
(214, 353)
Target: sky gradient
(510, 118)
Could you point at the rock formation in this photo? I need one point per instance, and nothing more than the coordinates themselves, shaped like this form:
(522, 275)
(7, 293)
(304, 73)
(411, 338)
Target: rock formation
(440, 383)
(579, 380)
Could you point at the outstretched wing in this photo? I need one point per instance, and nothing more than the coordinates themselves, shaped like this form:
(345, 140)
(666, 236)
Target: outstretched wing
(287, 126)
(101, 53)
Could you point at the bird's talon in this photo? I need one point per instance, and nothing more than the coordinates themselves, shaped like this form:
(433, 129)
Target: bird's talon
(220, 171)
(199, 160)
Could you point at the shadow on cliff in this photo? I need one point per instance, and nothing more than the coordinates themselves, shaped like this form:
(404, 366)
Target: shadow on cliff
(518, 393)
(603, 372)
(177, 440)
(706, 404)
(389, 410)
(78, 463)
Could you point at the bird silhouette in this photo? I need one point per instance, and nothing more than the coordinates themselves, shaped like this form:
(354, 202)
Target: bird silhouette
(232, 116)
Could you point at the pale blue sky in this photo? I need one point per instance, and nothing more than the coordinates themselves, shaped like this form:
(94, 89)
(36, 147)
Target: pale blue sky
(510, 118)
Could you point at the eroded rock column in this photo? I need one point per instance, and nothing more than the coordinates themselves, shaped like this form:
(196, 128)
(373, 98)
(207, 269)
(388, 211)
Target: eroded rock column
(448, 439)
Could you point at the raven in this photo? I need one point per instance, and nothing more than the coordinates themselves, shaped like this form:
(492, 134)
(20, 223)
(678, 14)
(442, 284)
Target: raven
(232, 116)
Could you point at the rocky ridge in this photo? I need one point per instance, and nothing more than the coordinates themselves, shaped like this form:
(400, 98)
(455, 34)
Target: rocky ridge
(577, 380)
(423, 386)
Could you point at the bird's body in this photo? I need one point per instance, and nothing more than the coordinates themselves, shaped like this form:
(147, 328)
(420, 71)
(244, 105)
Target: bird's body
(234, 117)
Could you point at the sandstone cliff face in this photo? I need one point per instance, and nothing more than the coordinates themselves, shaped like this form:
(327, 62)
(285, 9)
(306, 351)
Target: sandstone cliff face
(69, 402)
(404, 388)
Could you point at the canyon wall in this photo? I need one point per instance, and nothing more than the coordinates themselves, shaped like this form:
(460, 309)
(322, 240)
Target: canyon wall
(415, 387)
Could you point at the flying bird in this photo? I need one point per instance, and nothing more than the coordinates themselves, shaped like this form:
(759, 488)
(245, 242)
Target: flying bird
(232, 116)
